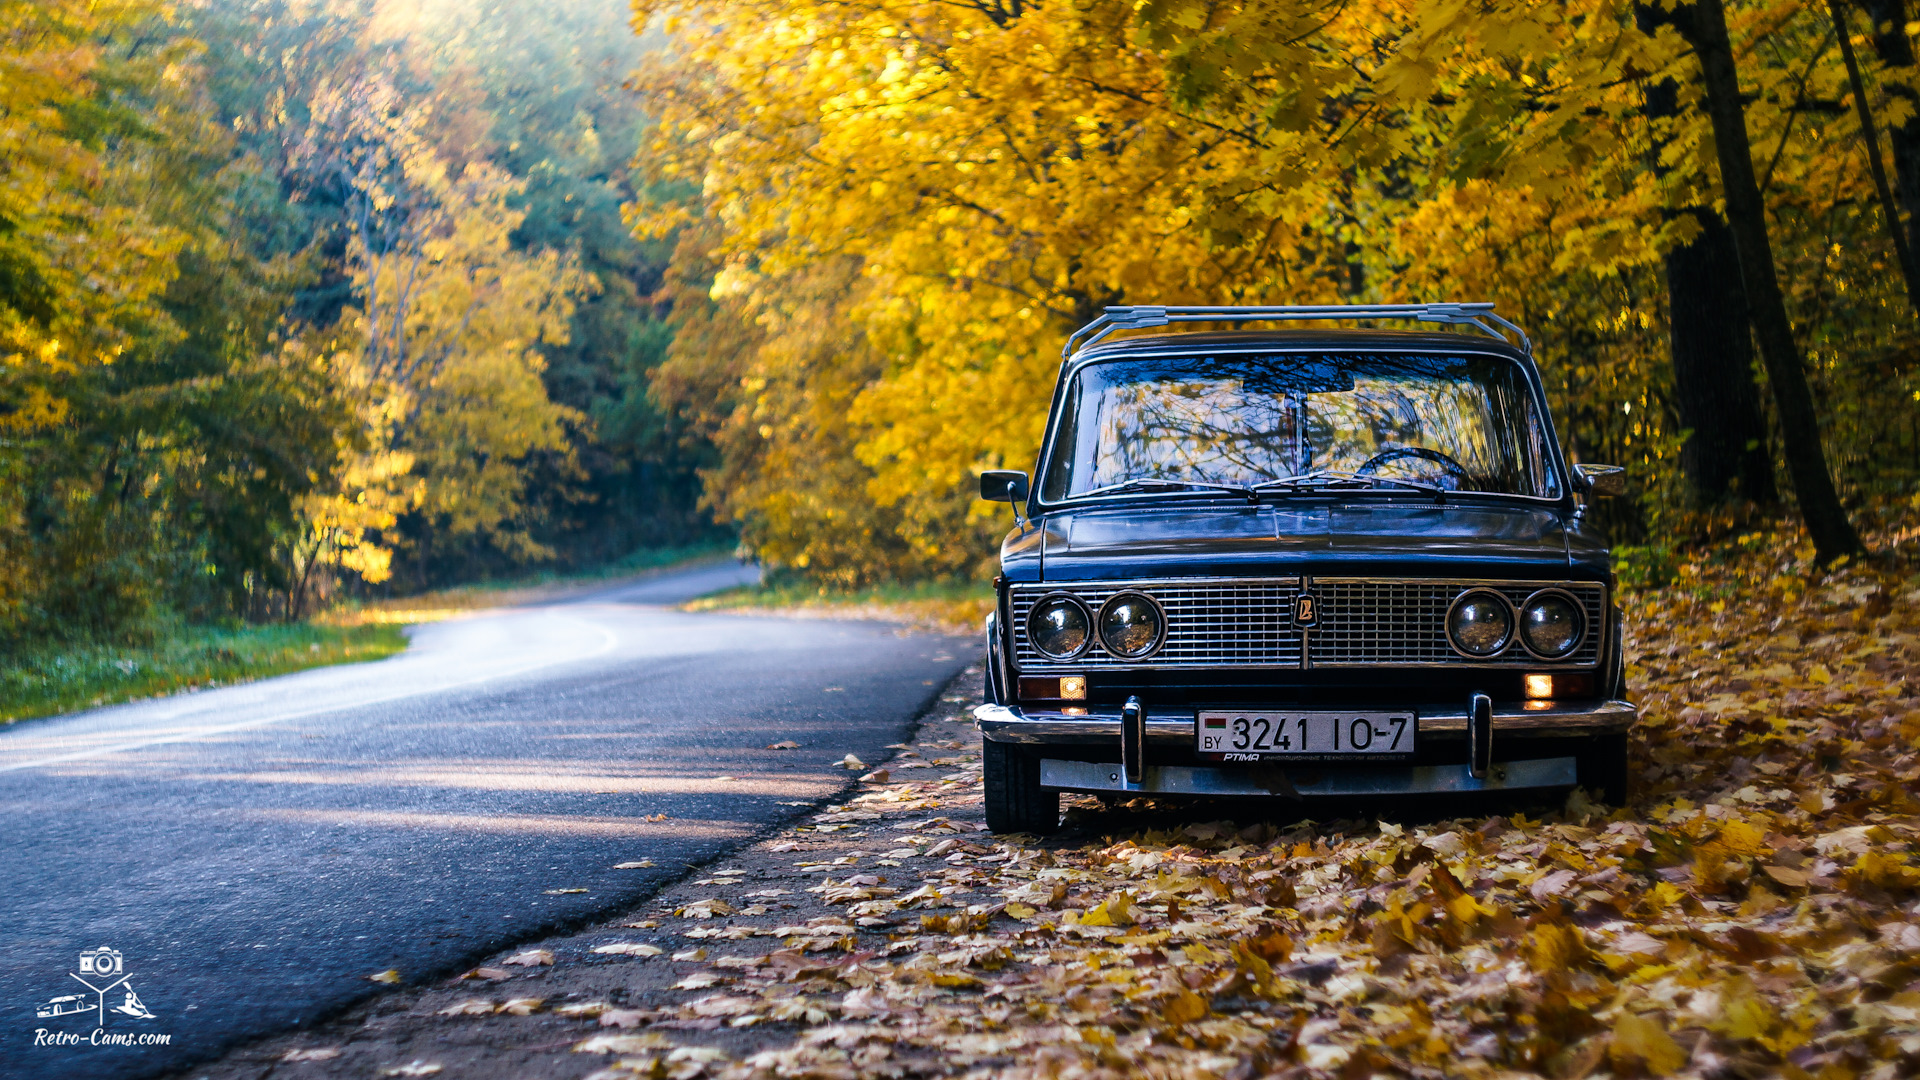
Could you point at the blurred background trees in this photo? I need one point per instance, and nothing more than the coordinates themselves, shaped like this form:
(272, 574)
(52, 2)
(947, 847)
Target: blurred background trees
(301, 295)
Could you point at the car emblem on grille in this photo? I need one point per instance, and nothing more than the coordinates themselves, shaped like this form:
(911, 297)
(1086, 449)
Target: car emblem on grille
(1306, 610)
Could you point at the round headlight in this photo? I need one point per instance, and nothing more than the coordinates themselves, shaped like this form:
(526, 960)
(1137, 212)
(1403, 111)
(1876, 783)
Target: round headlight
(1130, 625)
(1481, 623)
(1059, 627)
(1551, 624)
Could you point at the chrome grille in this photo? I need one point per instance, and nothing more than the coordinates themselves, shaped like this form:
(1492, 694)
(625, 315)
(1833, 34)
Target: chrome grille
(1364, 622)
(1367, 621)
(1214, 624)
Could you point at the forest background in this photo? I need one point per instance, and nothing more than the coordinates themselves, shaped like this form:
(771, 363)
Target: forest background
(301, 299)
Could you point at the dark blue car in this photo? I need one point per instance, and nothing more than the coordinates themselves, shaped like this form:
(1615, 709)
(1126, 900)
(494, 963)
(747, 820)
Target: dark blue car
(1302, 564)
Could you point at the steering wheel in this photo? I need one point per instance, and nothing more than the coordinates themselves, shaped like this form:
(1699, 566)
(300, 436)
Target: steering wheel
(1397, 453)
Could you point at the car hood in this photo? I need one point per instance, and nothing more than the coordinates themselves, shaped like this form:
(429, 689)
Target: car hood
(1335, 540)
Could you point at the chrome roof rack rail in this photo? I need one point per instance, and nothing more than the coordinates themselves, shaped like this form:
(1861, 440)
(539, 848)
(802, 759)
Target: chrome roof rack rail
(1479, 316)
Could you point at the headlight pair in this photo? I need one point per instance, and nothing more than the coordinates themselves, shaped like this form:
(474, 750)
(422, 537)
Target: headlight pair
(1130, 625)
(1550, 624)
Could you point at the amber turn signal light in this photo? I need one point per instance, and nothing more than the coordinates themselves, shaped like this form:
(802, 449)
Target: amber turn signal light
(1053, 687)
(1543, 687)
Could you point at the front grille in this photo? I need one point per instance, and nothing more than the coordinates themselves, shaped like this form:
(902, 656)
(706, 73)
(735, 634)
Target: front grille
(1364, 622)
(1209, 624)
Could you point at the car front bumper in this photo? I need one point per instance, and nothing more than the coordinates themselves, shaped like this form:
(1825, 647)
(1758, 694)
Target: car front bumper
(1170, 737)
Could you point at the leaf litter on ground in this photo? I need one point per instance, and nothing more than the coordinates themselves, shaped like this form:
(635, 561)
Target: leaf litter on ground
(1754, 911)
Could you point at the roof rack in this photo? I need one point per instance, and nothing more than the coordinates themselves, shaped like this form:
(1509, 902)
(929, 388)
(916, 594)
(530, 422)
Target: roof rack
(1479, 316)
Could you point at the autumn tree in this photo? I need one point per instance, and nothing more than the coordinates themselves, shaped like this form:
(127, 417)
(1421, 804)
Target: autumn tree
(998, 174)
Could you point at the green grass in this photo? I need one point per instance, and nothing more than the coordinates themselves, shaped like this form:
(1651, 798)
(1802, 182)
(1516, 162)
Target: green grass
(952, 606)
(43, 683)
(505, 592)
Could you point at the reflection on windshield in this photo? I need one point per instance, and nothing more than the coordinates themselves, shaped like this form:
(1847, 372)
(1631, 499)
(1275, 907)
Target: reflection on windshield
(1453, 423)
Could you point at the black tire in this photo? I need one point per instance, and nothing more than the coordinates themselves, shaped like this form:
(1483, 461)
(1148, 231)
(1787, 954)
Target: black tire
(1015, 800)
(1603, 768)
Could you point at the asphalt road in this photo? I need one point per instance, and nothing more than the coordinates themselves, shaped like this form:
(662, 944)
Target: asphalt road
(254, 852)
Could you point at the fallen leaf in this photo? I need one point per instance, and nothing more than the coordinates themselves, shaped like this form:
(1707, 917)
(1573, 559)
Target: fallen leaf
(1638, 1040)
(531, 958)
(1550, 886)
(563, 892)
(1116, 910)
(622, 1044)
(625, 1018)
(784, 744)
(1793, 879)
(1556, 947)
(389, 976)
(641, 865)
(877, 776)
(522, 1006)
(850, 762)
(585, 1010)
(1185, 1008)
(629, 948)
(318, 1053)
(469, 1007)
(1739, 1012)
(416, 1067)
(719, 1005)
(705, 909)
(699, 980)
(491, 974)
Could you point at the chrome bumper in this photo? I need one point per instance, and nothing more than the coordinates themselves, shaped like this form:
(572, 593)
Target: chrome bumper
(1297, 782)
(1002, 723)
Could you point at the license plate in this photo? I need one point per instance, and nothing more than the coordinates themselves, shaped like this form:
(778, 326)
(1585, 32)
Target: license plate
(1304, 736)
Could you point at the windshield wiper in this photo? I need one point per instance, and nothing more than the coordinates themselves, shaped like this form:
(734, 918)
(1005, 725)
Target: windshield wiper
(1154, 482)
(1333, 476)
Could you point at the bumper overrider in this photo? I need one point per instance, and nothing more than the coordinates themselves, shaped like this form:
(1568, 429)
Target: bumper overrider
(1475, 746)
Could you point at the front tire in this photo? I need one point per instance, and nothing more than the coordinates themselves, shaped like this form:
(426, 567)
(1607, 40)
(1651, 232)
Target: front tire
(1015, 800)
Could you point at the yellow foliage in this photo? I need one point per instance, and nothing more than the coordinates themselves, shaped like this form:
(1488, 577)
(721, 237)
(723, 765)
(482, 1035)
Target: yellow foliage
(451, 317)
(905, 206)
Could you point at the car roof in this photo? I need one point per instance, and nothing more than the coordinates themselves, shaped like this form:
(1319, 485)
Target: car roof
(1332, 340)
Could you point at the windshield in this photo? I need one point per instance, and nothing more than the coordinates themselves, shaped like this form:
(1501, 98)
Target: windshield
(1290, 420)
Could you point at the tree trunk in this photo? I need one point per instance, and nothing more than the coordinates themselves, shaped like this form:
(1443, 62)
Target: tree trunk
(1870, 139)
(1895, 49)
(1833, 535)
(1726, 456)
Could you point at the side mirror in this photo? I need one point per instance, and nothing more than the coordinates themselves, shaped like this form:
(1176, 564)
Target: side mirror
(1603, 479)
(1003, 485)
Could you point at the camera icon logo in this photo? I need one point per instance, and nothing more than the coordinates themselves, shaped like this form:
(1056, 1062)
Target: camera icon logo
(102, 961)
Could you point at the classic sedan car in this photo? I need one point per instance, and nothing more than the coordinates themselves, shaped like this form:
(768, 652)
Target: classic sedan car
(1301, 564)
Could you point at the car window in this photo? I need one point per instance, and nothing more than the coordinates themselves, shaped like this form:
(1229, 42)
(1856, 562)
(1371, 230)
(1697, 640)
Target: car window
(1458, 423)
